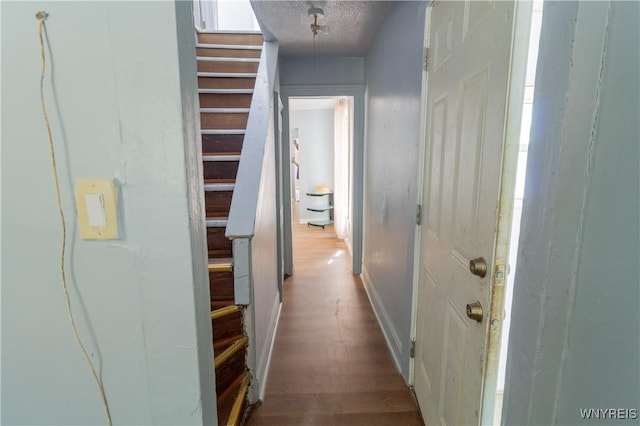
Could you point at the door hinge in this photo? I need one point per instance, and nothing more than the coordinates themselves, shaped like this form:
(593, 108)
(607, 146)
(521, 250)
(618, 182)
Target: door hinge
(419, 215)
(412, 349)
(425, 63)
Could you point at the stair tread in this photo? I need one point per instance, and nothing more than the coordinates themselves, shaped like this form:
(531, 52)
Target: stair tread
(223, 344)
(217, 218)
(220, 260)
(223, 131)
(219, 187)
(208, 181)
(224, 110)
(222, 158)
(229, 46)
(226, 91)
(227, 59)
(228, 74)
(217, 304)
(217, 223)
(220, 154)
(228, 398)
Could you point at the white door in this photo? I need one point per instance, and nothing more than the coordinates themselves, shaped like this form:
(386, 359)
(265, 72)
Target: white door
(466, 105)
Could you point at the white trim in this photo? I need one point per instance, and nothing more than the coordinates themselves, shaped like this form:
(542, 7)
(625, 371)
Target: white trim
(228, 74)
(229, 46)
(225, 110)
(267, 366)
(225, 59)
(215, 158)
(223, 131)
(216, 223)
(393, 342)
(241, 32)
(219, 187)
(226, 91)
(519, 53)
(348, 244)
(417, 241)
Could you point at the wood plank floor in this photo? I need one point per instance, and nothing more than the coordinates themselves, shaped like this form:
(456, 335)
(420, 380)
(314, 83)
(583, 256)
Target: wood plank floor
(330, 363)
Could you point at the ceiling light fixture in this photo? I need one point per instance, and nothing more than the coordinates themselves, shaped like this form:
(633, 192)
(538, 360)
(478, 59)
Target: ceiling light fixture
(317, 13)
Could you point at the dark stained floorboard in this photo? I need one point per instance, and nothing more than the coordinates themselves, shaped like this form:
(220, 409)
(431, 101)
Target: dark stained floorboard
(330, 363)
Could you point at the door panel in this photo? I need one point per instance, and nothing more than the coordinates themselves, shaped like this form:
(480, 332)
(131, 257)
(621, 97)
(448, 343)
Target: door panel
(465, 122)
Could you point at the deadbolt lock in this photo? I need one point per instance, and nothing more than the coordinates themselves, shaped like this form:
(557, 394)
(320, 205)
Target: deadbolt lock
(474, 311)
(478, 266)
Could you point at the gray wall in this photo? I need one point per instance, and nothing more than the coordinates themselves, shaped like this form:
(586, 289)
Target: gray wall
(117, 112)
(391, 161)
(315, 157)
(323, 70)
(575, 326)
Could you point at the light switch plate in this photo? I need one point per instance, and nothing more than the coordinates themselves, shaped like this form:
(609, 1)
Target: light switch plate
(96, 207)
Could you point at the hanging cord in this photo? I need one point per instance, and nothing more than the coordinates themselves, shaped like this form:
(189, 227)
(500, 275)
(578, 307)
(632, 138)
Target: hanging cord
(42, 17)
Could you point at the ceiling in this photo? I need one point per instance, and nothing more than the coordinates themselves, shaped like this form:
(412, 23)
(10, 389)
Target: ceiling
(352, 25)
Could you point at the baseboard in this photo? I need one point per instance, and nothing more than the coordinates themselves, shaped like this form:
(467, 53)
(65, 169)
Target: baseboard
(275, 320)
(388, 330)
(347, 243)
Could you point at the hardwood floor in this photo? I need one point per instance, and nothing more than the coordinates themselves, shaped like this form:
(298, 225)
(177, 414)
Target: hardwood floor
(330, 363)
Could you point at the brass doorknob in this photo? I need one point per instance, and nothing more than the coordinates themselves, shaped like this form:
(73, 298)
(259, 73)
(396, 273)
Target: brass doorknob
(478, 266)
(474, 311)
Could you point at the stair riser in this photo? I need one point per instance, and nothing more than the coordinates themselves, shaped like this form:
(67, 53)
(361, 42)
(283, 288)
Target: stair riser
(215, 170)
(222, 38)
(221, 143)
(227, 53)
(218, 203)
(219, 245)
(221, 286)
(210, 66)
(234, 100)
(228, 326)
(226, 82)
(223, 121)
(230, 370)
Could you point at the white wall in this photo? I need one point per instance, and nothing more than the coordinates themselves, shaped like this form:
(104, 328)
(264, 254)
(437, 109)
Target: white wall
(266, 299)
(236, 15)
(316, 156)
(117, 112)
(575, 323)
(392, 141)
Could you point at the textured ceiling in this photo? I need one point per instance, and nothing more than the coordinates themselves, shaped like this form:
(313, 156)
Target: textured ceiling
(352, 25)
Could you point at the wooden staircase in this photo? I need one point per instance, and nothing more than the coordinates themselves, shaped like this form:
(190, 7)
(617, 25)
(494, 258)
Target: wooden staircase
(227, 66)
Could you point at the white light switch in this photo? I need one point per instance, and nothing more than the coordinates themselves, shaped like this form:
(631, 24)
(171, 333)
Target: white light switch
(96, 206)
(95, 210)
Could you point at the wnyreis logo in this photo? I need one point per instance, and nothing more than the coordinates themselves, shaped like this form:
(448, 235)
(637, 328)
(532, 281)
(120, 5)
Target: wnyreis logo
(609, 413)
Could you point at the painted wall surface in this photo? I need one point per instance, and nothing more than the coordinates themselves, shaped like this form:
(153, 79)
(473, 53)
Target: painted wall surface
(234, 15)
(116, 110)
(315, 138)
(575, 323)
(266, 299)
(391, 161)
(323, 70)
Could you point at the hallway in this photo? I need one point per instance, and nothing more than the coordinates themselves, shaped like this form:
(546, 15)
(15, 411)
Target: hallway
(330, 364)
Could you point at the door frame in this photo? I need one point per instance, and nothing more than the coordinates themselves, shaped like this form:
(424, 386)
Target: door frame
(513, 115)
(357, 193)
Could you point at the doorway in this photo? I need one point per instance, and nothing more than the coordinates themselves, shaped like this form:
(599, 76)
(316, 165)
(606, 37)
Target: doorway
(534, 39)
(321, 146)
(471, 155)
(353, 220)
